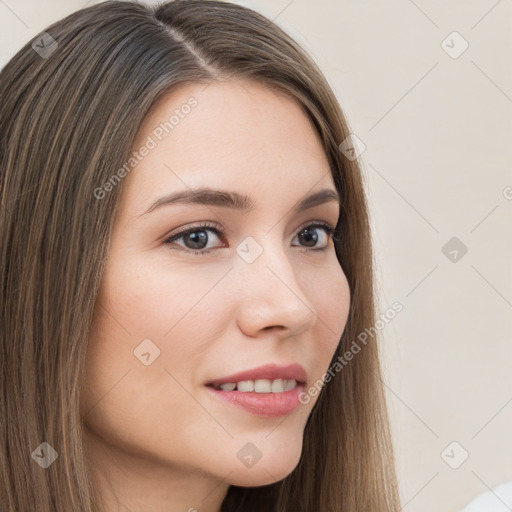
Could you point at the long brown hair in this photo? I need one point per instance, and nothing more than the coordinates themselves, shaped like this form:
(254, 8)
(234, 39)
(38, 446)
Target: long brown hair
(68, 116)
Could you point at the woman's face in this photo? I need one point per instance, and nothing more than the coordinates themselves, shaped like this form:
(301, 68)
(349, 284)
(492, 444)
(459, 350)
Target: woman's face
(253, 288)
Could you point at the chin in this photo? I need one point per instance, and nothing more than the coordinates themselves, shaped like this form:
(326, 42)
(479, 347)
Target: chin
(265, 471)
(257, 479)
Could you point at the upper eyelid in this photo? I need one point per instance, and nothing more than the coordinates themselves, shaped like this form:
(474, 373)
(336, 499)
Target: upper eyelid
(222, 231)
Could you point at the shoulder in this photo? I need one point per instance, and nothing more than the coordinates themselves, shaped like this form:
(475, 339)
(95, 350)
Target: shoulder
(498, 499)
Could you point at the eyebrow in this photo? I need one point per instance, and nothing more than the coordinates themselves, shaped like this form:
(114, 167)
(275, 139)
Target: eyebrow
(226, 199)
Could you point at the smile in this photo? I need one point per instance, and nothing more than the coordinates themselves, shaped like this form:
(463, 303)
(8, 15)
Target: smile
(259, 386)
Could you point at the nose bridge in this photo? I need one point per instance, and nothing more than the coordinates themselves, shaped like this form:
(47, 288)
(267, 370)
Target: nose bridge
(273, 296)
(263, 259)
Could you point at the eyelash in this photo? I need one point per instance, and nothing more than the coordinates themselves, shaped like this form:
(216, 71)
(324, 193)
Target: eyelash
(212, 227)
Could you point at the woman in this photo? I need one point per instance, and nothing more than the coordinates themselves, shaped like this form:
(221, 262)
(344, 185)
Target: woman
(186, 264)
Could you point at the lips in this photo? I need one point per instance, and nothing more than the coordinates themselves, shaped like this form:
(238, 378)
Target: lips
(268, 371)
(264, 405)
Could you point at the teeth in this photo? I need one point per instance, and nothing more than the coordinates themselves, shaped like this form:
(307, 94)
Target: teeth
(277, 386)
(230, 386)
(290, 384)
(245, 385)
(260, 385)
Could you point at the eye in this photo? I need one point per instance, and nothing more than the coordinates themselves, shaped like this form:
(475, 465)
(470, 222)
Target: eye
(308, 235)
(195, 239)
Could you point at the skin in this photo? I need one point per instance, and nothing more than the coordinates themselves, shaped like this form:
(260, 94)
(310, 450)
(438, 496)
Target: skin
(157, 440)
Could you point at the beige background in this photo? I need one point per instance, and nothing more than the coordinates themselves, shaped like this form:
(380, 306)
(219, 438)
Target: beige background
(437, 164)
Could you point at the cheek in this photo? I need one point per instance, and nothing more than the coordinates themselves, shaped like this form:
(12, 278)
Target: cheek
(118, 386)
(331, 299)
(152, 296)
(179, 311)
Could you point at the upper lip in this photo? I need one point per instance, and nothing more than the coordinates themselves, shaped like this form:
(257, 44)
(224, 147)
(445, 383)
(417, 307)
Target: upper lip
(268, 371)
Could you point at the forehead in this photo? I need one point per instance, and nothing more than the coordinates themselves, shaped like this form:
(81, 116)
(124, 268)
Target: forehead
(240, 134)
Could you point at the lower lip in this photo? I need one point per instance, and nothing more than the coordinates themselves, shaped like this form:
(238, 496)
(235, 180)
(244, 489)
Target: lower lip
(269, 405)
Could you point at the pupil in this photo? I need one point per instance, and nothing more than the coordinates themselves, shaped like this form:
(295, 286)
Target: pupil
(311, 237)
(198, 239)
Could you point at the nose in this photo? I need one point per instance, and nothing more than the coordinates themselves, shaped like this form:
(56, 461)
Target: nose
(271, 297)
